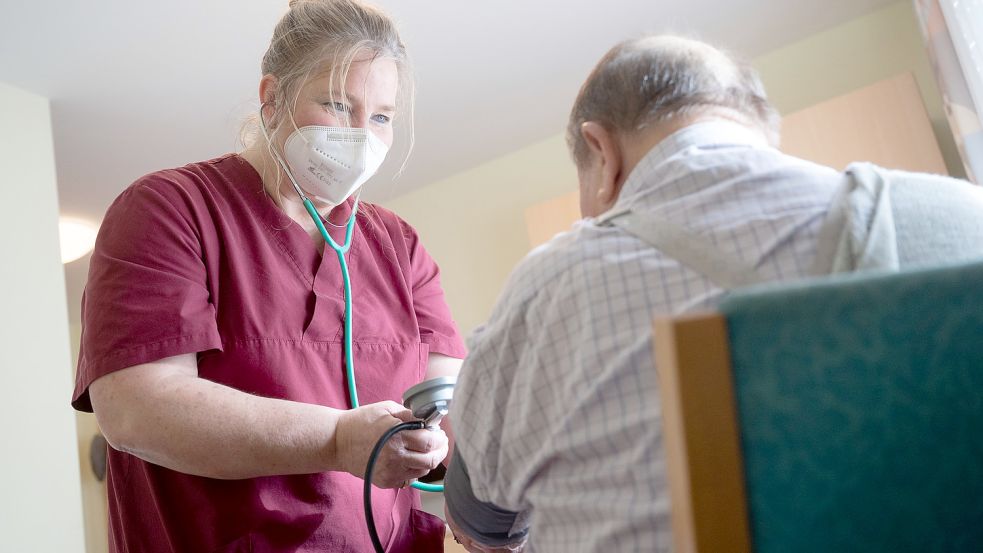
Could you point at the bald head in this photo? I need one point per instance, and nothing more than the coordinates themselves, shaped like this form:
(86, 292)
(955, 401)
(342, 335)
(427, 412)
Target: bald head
(665, 79)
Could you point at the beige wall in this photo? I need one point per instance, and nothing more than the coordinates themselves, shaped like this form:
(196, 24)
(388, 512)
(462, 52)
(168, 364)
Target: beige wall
(855, 54)
(40, 501)
(472, 223)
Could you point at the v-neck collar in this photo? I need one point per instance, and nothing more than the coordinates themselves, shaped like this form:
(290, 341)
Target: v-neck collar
(291, 238)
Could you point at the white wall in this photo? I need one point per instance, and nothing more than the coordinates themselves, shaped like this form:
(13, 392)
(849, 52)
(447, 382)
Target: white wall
(40, 501)
(473, 222)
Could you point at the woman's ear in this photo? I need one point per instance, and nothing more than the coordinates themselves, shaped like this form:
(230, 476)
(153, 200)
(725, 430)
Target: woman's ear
(606, 149)
(267, 92)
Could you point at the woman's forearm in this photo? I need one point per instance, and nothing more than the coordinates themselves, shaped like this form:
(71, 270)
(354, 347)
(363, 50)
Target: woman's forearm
(165, 414)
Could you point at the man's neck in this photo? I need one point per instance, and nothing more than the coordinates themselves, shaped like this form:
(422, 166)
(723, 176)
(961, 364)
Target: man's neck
(636, 146)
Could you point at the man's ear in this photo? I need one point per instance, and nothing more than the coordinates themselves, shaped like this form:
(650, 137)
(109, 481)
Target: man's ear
(605, 145)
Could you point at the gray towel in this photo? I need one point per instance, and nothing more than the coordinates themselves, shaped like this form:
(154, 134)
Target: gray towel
(889, 220)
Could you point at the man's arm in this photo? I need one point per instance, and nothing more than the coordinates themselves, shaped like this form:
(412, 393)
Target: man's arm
(163, 413)
(478, 525)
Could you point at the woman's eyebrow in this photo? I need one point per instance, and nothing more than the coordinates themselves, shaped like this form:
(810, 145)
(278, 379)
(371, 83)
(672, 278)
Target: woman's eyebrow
(357, 102)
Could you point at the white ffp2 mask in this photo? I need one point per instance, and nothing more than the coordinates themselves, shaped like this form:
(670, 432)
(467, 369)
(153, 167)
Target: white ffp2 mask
(330, 163)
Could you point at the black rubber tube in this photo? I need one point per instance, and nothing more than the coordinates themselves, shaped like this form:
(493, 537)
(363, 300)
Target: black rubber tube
(367, 490)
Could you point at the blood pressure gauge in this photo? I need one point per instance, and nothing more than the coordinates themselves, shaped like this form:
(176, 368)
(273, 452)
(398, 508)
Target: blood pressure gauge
(430, 400)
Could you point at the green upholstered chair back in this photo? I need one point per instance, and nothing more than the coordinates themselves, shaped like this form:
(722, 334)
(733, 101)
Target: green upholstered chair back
(860, 411)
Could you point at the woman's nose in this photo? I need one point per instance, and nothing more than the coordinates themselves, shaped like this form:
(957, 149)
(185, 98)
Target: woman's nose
(360, 121)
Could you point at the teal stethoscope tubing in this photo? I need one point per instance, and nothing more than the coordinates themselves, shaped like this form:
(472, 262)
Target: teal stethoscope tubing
(341, 250)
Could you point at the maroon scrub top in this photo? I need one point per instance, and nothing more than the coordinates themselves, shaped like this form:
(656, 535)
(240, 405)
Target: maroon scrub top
(200, 260)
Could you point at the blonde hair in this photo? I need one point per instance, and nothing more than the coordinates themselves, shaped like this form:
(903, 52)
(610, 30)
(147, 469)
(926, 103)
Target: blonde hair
(325, 36)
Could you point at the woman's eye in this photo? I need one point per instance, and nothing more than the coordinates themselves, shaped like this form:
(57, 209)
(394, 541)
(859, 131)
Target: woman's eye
(381, 119)
(337, 106)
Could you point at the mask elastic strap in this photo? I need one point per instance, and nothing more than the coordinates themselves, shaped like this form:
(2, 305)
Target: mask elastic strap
(300, 191)
(279, 160)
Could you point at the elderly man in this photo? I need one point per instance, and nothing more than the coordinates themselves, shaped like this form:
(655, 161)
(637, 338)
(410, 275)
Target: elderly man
(556, 410)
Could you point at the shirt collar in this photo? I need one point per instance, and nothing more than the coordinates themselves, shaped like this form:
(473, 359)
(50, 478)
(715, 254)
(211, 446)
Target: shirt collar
(703, 135)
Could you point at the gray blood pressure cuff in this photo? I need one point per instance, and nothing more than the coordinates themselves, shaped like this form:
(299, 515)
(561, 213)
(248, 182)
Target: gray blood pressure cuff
(486, 523)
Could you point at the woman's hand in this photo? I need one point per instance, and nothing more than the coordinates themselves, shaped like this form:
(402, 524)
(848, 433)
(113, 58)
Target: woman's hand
(408, 455)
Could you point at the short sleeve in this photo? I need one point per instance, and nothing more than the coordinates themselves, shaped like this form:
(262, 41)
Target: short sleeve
(514, 402)
(483, 393)
(437, 326)
(147, 296)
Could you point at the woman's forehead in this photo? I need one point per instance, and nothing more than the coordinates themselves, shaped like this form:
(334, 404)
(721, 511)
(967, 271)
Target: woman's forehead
(374, 79)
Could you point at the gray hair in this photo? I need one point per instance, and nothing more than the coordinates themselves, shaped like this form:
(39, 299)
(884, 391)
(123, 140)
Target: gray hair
(656, 79)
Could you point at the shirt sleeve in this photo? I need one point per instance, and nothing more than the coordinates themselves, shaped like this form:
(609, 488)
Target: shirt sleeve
(489, 412)
(147, 296)
(437, 326)
(523, 397)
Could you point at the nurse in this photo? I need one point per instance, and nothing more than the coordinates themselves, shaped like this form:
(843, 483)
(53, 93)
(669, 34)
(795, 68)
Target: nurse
(214, 343)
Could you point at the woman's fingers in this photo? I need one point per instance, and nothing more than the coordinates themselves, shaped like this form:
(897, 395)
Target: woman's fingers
(396, 410)
(359, 429)
(398, 463)
(423, 462)
(424, 441)
(394, 476)
(408, 455)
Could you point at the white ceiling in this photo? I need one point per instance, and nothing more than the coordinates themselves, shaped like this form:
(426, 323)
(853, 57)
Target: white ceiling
(139, 86)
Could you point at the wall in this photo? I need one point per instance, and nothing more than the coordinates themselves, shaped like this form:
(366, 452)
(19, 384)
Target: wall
(473, 223)
(40, 505)
(95, 501)
(855, 54)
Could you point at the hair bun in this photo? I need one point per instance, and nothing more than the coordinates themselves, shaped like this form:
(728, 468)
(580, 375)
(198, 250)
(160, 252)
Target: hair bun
(293, 3)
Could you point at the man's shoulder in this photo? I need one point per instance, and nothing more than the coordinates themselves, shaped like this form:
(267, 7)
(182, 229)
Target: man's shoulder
(545, 268)
(921, 186)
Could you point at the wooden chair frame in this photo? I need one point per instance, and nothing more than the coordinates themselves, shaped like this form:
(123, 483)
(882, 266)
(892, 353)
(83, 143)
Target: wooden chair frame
(706, 477)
